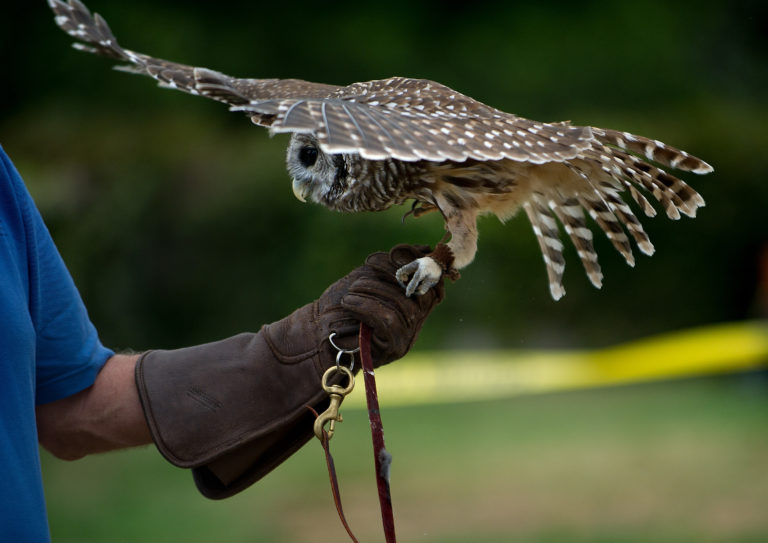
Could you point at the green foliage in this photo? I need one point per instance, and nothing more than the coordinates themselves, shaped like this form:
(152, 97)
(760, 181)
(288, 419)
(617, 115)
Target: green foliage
(177, 220)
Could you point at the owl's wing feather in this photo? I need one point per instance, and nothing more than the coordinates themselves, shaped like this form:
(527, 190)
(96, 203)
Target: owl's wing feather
(377, 130)
(95, 36)
(402, 118)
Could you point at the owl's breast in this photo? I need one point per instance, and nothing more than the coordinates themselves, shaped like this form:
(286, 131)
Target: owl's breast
(376, 185)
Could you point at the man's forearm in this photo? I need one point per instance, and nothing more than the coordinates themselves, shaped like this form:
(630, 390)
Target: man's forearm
(104, 417)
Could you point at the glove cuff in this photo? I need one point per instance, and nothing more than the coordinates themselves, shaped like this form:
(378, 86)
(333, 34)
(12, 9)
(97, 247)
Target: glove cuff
(235, 409)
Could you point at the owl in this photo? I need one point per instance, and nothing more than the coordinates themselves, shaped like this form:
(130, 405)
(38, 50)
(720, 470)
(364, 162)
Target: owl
(370, 145)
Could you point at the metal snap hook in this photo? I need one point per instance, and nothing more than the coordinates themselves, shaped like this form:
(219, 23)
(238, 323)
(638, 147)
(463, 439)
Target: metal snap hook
(336, 394)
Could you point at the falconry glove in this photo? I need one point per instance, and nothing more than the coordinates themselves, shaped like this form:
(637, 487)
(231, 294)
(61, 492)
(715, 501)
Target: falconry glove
(235, 409)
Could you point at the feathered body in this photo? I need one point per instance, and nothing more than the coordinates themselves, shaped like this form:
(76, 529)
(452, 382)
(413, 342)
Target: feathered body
(371, 145)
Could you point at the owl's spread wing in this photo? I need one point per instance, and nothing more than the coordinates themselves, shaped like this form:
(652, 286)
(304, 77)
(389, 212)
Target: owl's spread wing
(415, 119)
(401, 118)
(95, 36)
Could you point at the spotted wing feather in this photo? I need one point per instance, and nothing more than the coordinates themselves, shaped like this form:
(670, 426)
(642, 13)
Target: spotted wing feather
(94, 36)
(401, 118)
(378, 126)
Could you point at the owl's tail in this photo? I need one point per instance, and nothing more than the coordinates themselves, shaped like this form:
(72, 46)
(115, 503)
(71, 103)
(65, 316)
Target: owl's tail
(605, 170)
(616, 155)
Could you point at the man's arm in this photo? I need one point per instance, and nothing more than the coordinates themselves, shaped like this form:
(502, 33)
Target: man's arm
(234, 409)
(103, 417)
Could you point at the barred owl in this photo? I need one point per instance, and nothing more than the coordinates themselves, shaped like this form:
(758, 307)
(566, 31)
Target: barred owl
(370, 145)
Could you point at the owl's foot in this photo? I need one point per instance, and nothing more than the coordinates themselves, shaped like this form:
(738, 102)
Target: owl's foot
(419, 209)
(424, 273)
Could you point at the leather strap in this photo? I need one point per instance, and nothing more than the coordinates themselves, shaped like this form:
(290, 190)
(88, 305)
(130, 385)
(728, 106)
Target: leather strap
(381, 457)
(334, 481)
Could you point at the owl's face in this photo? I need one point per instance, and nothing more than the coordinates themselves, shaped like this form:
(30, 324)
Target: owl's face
(317, 176)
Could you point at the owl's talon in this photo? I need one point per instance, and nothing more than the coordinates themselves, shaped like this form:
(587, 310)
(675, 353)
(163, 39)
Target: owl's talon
(424, 273)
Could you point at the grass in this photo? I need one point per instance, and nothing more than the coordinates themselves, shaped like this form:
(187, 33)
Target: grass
(672, 462)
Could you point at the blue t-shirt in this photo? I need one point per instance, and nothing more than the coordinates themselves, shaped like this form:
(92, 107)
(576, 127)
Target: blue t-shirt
(48, 350)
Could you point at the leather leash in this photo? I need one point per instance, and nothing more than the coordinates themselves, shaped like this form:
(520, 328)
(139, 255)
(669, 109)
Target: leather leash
(334, 481)
(382, 459)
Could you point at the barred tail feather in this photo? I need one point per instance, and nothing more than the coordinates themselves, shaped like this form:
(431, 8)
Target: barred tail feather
(618, 154)
(673, 194)
(601, 213)
(627, 217)
(570, 213)
(653, 150)
(611, 166)
(639, 199)
(547, 234)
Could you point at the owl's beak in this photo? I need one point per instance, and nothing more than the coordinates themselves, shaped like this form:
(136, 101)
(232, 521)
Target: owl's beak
(301, 190)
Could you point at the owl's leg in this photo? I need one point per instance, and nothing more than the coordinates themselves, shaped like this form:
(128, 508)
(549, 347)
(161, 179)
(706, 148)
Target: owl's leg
(462, 226)
(424, 273)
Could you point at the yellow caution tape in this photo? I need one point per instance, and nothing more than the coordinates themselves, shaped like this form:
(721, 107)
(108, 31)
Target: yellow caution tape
(455, 376)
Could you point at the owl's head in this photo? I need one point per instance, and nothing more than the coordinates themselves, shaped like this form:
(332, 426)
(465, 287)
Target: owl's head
(317, 176)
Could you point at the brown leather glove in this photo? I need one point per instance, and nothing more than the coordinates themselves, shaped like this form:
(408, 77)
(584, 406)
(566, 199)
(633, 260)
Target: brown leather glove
(235, 409)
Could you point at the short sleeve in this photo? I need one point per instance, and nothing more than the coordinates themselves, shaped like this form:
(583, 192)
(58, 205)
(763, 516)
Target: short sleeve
(68, 352)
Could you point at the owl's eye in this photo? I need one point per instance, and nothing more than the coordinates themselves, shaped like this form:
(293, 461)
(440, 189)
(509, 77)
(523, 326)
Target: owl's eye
(308, 156)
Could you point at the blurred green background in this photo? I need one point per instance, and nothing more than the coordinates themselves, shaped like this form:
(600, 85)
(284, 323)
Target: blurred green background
(177, 221)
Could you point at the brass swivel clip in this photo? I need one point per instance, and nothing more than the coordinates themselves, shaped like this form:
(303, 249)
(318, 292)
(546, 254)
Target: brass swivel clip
(337, 394)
